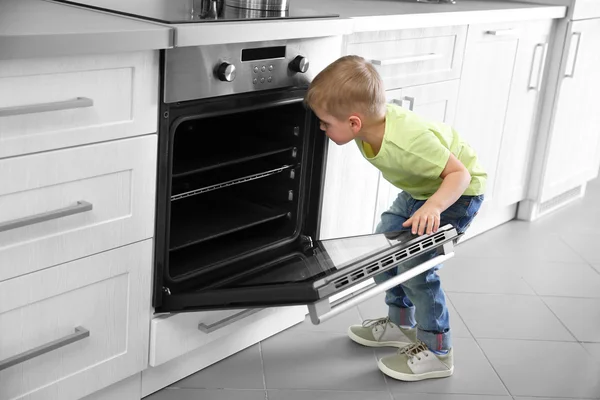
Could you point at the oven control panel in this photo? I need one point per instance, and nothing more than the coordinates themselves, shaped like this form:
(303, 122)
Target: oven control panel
(218, 70)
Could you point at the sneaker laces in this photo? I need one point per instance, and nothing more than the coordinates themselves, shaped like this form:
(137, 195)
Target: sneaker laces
(412, 351)
(373, 323)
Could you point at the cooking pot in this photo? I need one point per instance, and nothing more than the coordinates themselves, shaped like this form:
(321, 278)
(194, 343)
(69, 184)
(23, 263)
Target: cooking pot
(263, 5)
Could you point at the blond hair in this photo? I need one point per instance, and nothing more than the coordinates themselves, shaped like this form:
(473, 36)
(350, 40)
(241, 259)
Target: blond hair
(348, 85)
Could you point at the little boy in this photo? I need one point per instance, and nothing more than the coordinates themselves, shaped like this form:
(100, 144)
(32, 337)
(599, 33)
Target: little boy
(441, 182)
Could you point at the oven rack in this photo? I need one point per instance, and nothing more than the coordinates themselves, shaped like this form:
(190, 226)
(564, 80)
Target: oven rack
(232, 182)
(191, 167)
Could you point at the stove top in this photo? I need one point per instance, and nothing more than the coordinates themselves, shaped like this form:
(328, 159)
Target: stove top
(195, 11)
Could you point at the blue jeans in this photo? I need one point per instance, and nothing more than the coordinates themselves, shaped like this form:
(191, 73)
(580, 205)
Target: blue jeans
(420, 300)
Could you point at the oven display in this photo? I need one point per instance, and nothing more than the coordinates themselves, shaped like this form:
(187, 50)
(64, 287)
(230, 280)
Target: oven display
(263, 53)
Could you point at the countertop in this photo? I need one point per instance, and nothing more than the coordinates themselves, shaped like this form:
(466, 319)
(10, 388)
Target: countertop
(39, 28)
(36, 28)
(366, 15)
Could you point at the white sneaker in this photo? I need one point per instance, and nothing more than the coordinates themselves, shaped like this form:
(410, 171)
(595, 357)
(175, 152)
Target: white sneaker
(381, 332)
(416, 362)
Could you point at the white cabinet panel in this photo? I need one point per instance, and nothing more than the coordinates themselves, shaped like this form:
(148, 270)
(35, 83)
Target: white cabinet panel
(68, 101)
(519, 134)
(66, 204)
(574, 151)
(107, 294)
(488, 67)
(410, 57)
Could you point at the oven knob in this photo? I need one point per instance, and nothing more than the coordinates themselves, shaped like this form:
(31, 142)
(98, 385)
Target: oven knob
(226, 72)
(299, 64)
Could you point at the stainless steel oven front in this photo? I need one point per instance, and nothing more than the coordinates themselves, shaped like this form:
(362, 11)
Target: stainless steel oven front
(240, 184)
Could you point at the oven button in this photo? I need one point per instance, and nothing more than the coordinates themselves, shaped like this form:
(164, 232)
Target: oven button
(270, 68)
(299, 64)
(255, 81)
(262, 80)
(263, 68)
(256, 70)
(226, 72)
(270, 79)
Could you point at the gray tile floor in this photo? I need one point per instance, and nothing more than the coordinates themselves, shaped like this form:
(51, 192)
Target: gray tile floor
(524, 302)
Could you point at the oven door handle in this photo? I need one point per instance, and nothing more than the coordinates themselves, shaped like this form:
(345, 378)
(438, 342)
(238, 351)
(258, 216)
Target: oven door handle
(323, 310)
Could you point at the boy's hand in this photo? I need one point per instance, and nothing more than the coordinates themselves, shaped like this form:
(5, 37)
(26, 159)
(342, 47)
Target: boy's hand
(425, 220)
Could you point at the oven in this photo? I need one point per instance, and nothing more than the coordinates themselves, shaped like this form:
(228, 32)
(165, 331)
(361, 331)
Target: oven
(240, 186)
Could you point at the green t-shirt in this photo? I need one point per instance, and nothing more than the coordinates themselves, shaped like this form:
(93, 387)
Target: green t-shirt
(415, 151)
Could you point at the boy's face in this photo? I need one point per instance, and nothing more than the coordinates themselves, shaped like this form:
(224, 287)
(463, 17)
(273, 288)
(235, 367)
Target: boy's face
(340, 132)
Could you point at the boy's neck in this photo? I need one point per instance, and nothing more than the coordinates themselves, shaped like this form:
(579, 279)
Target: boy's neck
(372, 133)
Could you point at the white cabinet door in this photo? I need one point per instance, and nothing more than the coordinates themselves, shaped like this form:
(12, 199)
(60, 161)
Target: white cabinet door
(521, 114)
(435, 101)
(488, 66)
(73, 329)
(574, 151)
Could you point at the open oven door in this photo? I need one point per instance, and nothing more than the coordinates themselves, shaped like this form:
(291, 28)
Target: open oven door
(313, 273)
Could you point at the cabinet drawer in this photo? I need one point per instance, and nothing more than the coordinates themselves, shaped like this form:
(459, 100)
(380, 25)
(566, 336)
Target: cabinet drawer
(66, 204)
(412, 56)
(106, 296)
(55, 103)
(172, 336)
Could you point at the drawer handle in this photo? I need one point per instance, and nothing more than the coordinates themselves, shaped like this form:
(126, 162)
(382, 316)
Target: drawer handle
(408, 59)
(81, 206)
(575, 56)
(79, 334)
(79, 102)
(227, 321)
(400, 102)
(503, 32)
(540, 68)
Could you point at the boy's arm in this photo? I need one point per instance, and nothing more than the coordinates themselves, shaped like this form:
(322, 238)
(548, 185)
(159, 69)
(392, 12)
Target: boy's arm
(455, 180)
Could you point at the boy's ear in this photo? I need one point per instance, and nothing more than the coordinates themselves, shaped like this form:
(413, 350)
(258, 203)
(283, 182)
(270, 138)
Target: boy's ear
(355, 123)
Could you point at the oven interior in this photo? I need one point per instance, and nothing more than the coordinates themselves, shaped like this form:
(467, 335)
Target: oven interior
(237, 189)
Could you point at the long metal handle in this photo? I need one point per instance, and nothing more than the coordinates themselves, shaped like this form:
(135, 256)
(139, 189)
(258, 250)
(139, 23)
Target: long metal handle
(576, 56)
(79, 334)
(400, 102)
(79, 102)
(227, 321)
(81, 206)
(538, 80)
(326, 310)
(503, 32)
(408, 59)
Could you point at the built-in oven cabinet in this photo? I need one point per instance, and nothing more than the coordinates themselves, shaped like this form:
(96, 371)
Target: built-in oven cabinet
(238, 212)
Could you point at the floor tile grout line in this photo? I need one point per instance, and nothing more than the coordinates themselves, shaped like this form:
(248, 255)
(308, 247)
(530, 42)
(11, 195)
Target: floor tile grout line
(480, 348)
(575, 251)
(559, 320)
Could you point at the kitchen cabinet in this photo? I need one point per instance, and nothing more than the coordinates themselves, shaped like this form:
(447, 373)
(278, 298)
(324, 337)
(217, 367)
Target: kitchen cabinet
(409, 57)
(520, 123)
(573, 156)
(60, 102)
(418, 63)
(70, 330)
(496, 112)
(435, 101)
(67, 204)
